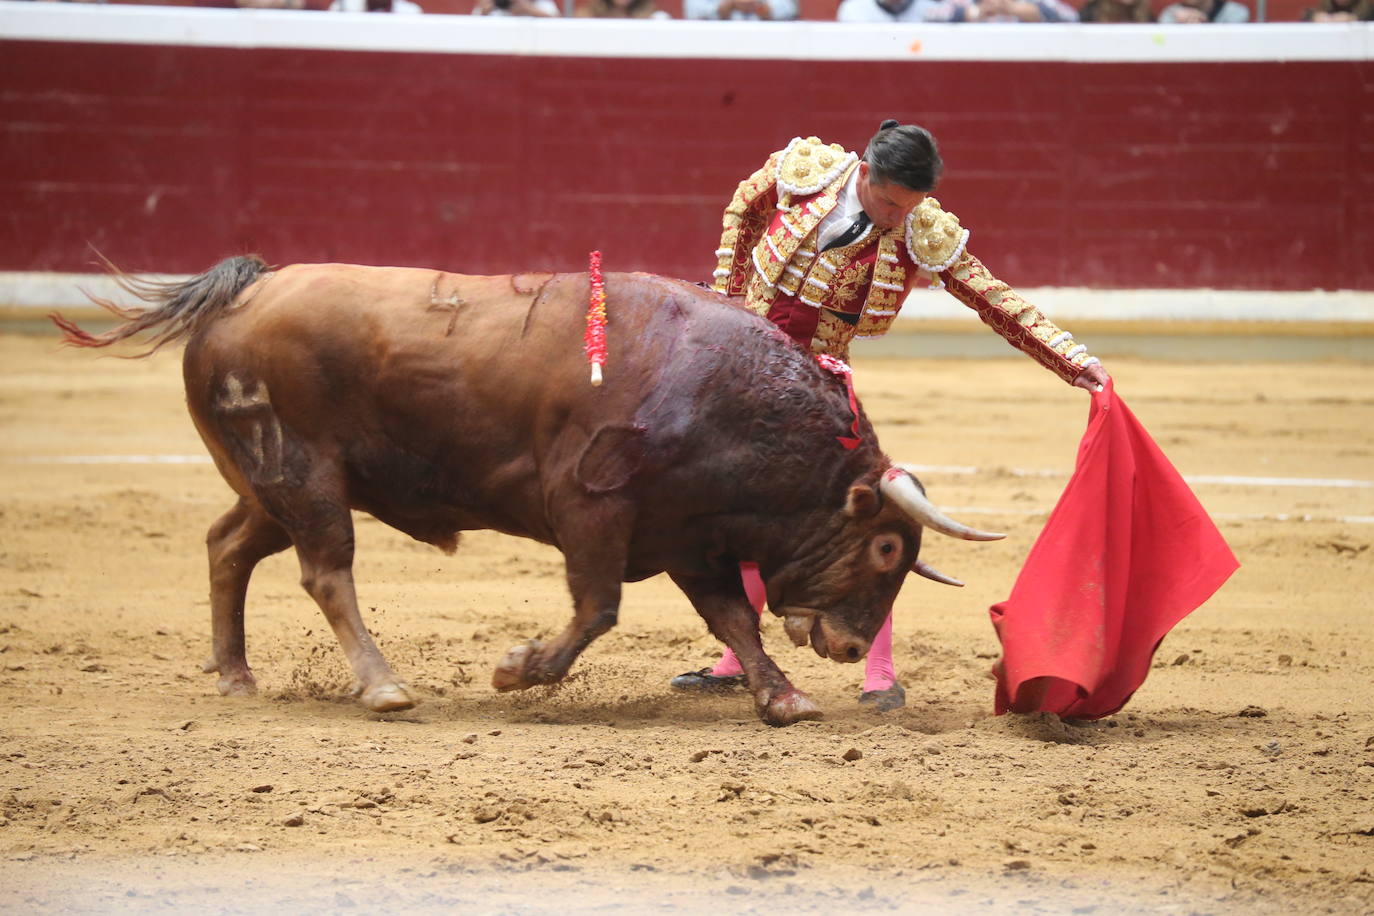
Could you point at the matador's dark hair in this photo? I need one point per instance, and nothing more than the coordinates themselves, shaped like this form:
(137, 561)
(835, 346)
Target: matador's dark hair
(904, 154)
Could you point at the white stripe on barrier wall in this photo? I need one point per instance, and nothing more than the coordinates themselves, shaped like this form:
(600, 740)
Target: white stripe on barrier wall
(526, 36)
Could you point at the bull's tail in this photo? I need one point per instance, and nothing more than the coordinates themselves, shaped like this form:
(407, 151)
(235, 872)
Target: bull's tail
(177, 309)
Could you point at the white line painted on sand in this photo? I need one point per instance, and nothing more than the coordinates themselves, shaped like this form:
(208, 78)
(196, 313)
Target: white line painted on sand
(1226, 479)
(1216, 516)
(1277, 481)
(922, 468)
(957, 469)
(113, 459)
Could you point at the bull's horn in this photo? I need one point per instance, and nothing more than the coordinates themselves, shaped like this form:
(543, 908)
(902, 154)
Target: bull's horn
(899, 486)
(922, 568)
(798, 627)
(797, 622)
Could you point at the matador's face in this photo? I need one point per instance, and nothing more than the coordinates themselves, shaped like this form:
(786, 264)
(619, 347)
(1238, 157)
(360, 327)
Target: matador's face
(886, 204)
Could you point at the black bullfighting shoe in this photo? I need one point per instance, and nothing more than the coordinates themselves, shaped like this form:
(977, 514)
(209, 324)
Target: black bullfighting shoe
(703, 681)
(893, 697)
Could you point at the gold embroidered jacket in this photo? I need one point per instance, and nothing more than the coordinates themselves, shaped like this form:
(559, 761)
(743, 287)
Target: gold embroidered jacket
(823, 300)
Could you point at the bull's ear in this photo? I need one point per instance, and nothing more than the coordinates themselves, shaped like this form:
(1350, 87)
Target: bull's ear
(862, 502)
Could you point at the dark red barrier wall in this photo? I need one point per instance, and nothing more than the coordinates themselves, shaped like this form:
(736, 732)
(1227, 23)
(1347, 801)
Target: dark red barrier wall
(1110, 175)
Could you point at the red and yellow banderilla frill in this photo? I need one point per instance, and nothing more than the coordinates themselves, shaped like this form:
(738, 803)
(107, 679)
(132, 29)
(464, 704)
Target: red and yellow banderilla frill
(594, 339)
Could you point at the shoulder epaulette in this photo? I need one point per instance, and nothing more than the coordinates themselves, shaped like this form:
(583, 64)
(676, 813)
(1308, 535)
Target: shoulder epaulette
(934, 238)
(808, 165)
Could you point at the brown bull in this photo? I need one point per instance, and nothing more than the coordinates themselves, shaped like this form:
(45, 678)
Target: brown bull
(439, 403)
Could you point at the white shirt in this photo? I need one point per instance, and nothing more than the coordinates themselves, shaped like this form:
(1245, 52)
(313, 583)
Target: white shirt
(840, 218)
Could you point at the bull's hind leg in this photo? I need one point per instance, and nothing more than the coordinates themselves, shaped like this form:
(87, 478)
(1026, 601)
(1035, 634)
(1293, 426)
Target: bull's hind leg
(299, 487)
(722, 603)
(324, 545)
(241, 538)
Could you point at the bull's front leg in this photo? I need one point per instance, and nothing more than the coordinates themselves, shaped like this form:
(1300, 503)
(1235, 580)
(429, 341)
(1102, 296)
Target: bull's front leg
(722, 603)
(595, 567)
(596, 608)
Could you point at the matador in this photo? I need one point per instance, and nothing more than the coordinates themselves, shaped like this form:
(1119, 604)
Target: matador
(773, 253)
(827, 244)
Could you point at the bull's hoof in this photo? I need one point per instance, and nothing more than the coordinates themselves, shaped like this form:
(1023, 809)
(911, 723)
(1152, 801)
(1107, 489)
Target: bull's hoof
(887, 700)
(703, 681)
(513, 673)
(786, 708)
(387, 698)
(239, 685)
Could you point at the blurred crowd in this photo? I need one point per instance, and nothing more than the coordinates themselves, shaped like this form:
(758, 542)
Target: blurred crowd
(1119, 11)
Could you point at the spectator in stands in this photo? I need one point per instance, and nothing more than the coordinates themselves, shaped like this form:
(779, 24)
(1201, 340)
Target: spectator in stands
(1002, 11)
(543, 8)
(405, 7)
(278, 4)
(886, 10)
(1340, 11)
(1116, 11)
(1205, 11)
(740, 9)
(621, 9)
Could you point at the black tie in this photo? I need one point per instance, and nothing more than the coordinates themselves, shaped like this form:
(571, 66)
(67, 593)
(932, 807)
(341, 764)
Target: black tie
(848, 236)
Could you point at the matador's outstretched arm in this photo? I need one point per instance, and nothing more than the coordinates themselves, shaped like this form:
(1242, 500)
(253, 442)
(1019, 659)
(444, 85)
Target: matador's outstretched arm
(1023, 325)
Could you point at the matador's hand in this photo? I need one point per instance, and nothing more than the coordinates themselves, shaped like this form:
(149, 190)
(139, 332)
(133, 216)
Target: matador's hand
(1092, 378)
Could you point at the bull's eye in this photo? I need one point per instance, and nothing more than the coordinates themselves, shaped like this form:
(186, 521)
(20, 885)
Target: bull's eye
(885, 552)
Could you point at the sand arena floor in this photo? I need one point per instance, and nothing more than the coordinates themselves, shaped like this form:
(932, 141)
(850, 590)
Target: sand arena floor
(1239, 779)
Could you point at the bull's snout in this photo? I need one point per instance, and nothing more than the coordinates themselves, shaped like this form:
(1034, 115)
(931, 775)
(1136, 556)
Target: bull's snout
(854, 653)
(836, 645)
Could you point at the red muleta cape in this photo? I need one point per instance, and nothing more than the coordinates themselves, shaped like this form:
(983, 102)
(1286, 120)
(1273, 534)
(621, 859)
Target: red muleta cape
(1127, 553)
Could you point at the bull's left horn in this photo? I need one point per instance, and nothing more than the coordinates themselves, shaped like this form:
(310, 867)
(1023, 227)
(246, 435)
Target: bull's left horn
(899, 486)
(922, 568)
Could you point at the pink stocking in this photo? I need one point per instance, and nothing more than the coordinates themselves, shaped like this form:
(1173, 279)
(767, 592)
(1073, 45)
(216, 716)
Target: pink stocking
(878, 673)
(729, 666)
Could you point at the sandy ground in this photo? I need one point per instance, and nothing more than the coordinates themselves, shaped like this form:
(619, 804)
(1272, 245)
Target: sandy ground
(1238, 780)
